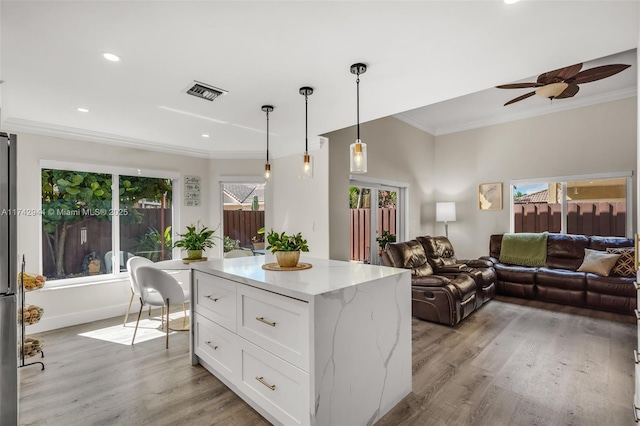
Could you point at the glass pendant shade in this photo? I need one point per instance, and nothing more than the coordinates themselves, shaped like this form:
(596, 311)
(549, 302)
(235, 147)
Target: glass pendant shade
(358, 157)
(306, 163)
(358, 150)
(267, 172)
(306, 167)
(267, 166)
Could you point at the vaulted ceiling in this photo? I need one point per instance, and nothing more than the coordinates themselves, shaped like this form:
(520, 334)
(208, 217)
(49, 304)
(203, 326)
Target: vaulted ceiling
(419, 53)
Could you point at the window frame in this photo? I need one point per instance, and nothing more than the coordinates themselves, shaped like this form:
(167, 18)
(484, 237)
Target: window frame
(116, 172)
(627, 175)
(247, 179)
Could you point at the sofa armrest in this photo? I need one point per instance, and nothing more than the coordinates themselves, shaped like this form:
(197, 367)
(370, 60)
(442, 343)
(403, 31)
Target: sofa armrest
(451, 269)
(491, 259)
(478, 263)
(430, 281)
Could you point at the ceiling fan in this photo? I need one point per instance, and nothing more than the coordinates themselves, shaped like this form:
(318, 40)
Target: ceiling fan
(563, 83)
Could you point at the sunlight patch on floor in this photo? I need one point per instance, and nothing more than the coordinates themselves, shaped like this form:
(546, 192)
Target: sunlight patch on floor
(148, 329)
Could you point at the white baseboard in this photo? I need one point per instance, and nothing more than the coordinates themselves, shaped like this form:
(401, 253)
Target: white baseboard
(61, 321)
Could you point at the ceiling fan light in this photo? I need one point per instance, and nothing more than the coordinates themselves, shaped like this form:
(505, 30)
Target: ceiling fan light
(551, 90)
(358, 157)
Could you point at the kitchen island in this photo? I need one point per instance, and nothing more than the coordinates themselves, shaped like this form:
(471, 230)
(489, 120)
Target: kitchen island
(330, 345)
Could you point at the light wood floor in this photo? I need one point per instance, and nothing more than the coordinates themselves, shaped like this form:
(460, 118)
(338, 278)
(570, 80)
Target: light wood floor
(513, 362)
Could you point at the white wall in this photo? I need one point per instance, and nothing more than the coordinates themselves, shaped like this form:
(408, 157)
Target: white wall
(301, 205)
(77, 304)
(595, 139)
(396, 152)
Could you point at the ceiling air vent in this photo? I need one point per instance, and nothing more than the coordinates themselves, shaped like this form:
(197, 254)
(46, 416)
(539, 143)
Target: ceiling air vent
(204, 91)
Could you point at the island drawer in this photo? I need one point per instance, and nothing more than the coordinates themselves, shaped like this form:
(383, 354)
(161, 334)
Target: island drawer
(276, 323)
(275, 385)
(217, 346)
(215, 299)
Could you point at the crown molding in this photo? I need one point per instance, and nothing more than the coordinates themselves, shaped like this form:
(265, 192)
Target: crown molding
(54, 130)
(410, 121)
(529, 113)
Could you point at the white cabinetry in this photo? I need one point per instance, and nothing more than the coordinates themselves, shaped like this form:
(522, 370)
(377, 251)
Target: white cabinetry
(636, 356)
(329, 345)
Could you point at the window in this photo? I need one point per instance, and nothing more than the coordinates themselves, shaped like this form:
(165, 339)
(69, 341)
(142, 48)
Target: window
(243, 215)
(587, 205)
(90, 216)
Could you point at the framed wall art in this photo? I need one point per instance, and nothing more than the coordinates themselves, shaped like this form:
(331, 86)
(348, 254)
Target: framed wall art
(490, 196)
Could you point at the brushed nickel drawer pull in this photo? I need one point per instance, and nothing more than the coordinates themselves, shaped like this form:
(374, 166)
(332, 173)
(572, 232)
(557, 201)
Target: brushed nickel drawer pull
(210, 297)
(635, 357)
(261, 319)
(212, 346)
(637, 314)
(635, 283)
(261, 380)
(635, 413)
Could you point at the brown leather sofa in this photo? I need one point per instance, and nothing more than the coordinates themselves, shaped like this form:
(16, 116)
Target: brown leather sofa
(446, 296)
(560, 282)
(441, 257)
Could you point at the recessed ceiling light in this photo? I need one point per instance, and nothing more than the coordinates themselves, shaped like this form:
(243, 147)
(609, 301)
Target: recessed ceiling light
(511, 1)
(80, 109)
(204, 135)
(111, 57)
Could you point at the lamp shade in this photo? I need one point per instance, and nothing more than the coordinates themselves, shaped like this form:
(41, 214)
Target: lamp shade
(446, 212)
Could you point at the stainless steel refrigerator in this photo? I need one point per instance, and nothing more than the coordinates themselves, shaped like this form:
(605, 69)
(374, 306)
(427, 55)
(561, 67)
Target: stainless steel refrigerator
(8, 283)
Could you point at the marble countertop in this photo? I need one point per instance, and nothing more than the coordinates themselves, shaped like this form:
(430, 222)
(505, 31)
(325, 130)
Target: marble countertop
(325, 276)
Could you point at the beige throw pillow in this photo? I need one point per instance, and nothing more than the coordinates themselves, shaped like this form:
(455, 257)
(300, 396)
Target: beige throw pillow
(598, 262)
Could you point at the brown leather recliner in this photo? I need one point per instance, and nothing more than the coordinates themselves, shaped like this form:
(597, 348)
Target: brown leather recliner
(436, 298)
(442, 259)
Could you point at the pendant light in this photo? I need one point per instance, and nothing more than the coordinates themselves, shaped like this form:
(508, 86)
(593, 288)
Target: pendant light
(358, 150)
(267, 166)
(306, 171)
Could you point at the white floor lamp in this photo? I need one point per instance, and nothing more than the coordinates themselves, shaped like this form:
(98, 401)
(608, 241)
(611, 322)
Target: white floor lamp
(446, 212)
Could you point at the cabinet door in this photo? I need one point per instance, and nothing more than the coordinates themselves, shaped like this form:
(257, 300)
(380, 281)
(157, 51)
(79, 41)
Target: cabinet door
(277, 386)
(276, 323)
(215, 299)
(217, 346)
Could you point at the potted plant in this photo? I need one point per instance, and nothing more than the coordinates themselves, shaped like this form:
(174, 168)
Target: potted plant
(286, 248)
(386, 237)
(194, 241)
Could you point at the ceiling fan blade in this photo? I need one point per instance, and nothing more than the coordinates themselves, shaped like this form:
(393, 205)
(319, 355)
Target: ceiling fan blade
(569, 92)
(559, 75)
(518, 86)
(519, 98)
(598, 73)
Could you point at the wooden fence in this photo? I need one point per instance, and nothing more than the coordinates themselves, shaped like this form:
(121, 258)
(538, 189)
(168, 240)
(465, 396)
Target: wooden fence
(359, 227)
(604, 219)
(98, 240)
(242, 225)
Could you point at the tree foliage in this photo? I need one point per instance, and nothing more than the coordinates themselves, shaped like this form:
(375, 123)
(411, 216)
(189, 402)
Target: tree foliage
(70, 197)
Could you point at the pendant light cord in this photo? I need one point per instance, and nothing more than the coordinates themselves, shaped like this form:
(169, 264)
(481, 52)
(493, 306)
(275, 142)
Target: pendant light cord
(306, 124)
(358, 103)
(267, 136)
